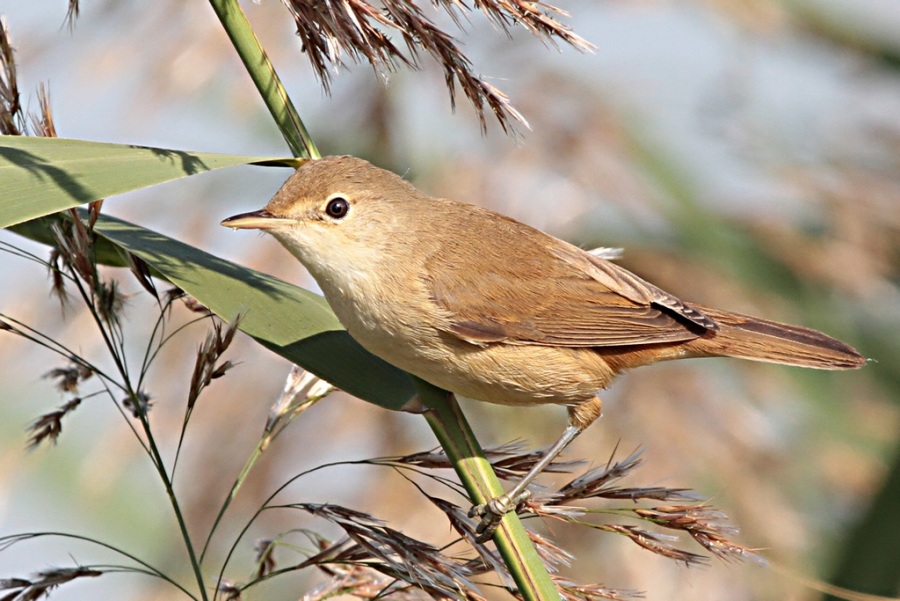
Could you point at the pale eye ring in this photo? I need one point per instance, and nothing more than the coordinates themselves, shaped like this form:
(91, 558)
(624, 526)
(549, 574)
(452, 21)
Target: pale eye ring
(337, 207)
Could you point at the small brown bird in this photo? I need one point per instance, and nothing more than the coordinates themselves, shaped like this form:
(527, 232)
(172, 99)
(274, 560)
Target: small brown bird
(492, 309)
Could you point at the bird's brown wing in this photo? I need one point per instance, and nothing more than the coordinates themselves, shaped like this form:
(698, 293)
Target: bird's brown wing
(569, 298)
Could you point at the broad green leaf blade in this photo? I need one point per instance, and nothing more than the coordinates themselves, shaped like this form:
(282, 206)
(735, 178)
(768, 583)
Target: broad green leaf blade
(291, 321)
(40, 176)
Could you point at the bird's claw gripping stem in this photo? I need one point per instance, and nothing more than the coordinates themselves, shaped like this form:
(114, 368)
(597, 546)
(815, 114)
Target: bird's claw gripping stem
(493, 511)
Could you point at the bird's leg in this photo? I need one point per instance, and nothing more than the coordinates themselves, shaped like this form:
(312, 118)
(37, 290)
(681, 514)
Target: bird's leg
(580, 417)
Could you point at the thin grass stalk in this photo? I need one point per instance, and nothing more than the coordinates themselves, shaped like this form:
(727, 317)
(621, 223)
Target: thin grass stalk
(263, 74)
(141, 414)
(8, 541)
(176, 507)
(458, 441)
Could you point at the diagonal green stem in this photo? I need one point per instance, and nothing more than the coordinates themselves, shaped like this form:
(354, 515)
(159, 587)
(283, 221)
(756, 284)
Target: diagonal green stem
(456, 437)
(268, 436)
(263, 74)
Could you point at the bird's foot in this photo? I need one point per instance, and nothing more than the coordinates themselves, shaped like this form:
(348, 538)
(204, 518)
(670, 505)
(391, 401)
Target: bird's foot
(493, 511)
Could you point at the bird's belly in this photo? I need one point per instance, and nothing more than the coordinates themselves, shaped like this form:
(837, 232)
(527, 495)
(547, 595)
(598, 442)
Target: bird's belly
(497, 373)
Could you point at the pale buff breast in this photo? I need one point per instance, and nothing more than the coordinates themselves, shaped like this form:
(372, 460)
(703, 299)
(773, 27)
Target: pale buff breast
(497, 373)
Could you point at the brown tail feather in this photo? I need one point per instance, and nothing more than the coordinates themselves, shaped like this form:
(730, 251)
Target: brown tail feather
(762, 340)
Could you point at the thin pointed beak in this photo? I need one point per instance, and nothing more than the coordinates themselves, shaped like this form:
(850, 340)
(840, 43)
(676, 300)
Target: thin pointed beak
(255, 220)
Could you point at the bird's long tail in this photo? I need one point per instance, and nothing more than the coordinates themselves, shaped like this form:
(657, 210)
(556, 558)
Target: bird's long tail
(758, 339)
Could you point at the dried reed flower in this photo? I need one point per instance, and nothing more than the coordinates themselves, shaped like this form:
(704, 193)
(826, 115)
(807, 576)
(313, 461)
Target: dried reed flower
(598, 482)
(706, 525)
(362, 31)
(139, 403)
(602, 476)
(109, 301)
(74, 246)
(68, 378)
(656, 542)
(12, 122)
(552, 554)
(94, 214)
(43, 582)
(394, 554)
(72, 13)
(42, 123)
(191, 303)
(302, 389)
(588, 592)
(58, 282)
(488, 559)
(49, 425)
(363, 583)
(378, 547)
(231, 591)
(74, 249)
(138, 266)
(265, 559)
(174, 293)
(205, 367)
(12, 117)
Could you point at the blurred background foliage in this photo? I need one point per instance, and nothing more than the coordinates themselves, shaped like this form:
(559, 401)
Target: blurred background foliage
(745, 155)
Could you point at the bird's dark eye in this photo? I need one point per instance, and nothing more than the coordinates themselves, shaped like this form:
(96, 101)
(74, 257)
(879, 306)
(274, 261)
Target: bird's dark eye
(337, 207)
